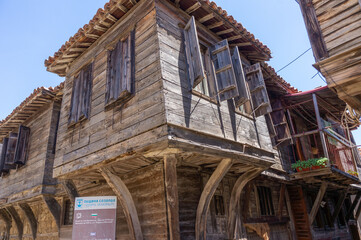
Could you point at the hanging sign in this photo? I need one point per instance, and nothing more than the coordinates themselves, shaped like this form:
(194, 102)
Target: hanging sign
(94, 218)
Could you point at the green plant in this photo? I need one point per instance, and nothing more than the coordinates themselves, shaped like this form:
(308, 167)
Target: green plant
(302, 165)
(353, 173)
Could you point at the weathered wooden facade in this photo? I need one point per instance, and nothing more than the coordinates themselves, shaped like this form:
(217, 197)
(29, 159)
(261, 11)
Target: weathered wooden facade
(170, 106)
(334, 29)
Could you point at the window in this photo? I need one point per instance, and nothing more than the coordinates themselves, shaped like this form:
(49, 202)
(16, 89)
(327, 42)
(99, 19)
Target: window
(68, 212)
(81, 96)
(14, 149)
(224, 73)
(121, 71)
(265, 201)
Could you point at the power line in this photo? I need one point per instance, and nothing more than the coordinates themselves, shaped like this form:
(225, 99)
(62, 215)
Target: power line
(294, 60)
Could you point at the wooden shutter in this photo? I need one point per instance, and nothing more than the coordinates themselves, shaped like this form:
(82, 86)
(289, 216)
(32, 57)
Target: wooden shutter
(73, 115)
(243, 96)
(280, 122)
(4, 147)
(212, 86)
(86, 87)
(193, 53)
(22, 145)
(258, 91)
(10, 151)
(222, 62)
(121, 70)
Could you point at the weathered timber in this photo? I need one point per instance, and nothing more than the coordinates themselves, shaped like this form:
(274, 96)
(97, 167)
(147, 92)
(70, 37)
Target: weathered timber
(235, 197)
(170, 180)
(29, 214)
(6, 217)
(353, 206)
(16, 218)
(338, 206)
(70, 189)
(281, 200)
(317, 203)
(54, 208)
(126, 200)
(207, 194)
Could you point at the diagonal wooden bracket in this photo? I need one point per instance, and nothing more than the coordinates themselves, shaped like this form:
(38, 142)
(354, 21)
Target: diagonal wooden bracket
(54, 208)
(126, 200)
(29, 214)
(317, 203)
(6, 217)
(353, 206)
(15, 216)
(70, 189)
(235, 197)
(338, 206)
(206, 197)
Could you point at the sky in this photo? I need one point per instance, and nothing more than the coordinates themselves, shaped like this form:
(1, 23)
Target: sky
(34, 30)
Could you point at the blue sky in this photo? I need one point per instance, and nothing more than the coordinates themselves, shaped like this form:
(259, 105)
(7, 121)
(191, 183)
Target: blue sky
(34, 30)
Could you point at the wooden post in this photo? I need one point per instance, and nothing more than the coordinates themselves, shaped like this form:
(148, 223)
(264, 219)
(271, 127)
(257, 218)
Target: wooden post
(358, 212)
(353, 206)
(5, 216)
(290, 213)
(317, 203)
(338, 206)
(70, 189)
(319, 124)
(206, 197)
(126, 200)
(171, 188)
(15, 216)
(235, 196)
(54, 208)
(29, 214)
(281, 200)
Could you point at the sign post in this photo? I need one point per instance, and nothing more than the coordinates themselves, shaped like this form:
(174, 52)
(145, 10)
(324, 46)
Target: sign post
(94, 218)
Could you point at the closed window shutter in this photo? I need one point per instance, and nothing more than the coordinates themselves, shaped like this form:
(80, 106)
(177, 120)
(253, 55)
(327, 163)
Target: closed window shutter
(4, 147)
(22, 145)
(243, 96)
(86, 92)
(121, 70)
(222, 62)
(73, 115)
(258, 91)
(280, 122)
(10, 151)
(193, 53)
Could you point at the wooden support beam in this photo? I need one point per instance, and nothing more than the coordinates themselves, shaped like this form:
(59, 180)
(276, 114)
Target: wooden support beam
(171, 188)
(122, 7)
(353, 206)
(54, 208)
(281, 200)
(193, 8)
(133, 2)
(358, 212)
(29, 214)
(206, 18)
(176, 2)
(126, 200)
(70, 190)
(207, 195)
(225, 31)
(235, 196)
(99, 28)
(319, 124)
(5, 216)
(111, 17)
(234, 38)
(338, 206)
(92, 36)
(317, 203)
(244, 44)
(19, 224)
(215, 25)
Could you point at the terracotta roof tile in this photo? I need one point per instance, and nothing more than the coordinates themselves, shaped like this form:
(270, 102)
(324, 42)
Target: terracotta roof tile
(287, 86)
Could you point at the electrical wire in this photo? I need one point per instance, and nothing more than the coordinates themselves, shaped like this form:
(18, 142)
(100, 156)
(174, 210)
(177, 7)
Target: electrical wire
(294, 60)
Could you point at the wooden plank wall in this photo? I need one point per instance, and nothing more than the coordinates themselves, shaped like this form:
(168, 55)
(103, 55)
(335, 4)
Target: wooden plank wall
(117, 130)
(340, 23)
(32, 173)
(187, 110)
(147, 188)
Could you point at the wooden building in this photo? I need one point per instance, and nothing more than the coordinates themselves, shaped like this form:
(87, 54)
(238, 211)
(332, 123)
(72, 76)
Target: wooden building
(334, 29)
(170, 106)
(27, 192)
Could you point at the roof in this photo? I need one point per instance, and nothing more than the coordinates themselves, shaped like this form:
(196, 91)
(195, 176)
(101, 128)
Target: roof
(206, 12)
(30, 106)
(275, 83)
